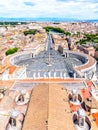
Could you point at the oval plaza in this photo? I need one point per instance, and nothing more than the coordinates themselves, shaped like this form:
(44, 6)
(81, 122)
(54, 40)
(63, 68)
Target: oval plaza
(46, 62)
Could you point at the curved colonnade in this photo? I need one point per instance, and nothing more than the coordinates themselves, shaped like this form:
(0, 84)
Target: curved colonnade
(86, 70)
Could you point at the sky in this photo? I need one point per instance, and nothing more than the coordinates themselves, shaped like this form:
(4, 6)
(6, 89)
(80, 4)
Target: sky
(76, 9)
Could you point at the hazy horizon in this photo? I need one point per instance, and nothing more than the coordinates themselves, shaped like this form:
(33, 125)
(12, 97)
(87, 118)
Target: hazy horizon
(2, 19)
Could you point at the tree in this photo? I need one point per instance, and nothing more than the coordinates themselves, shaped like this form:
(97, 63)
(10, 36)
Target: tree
(11, 51)
(67, 33)
(30, 31)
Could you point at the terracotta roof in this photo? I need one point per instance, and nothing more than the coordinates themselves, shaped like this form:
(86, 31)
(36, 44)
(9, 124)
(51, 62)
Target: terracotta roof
(94, 123)
(59, 110)
(95, 115)
(3, 68)
(85, 93)
(12, 69)
(74, 107)
(9, 42)
(38, 109)
(6, 84)
(8, 34)
(48, 109)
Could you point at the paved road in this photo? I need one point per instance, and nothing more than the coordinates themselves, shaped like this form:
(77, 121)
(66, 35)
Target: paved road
(49, 44)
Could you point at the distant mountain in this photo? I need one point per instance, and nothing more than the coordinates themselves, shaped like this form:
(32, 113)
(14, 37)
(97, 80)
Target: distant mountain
(3, 19)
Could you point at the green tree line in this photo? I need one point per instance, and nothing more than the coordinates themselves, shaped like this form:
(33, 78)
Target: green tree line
(11, 51)
(30, 31)
(89, 38)
(56, 29)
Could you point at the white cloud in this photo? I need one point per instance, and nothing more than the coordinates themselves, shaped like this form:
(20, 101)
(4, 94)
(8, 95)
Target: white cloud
(50, 8)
